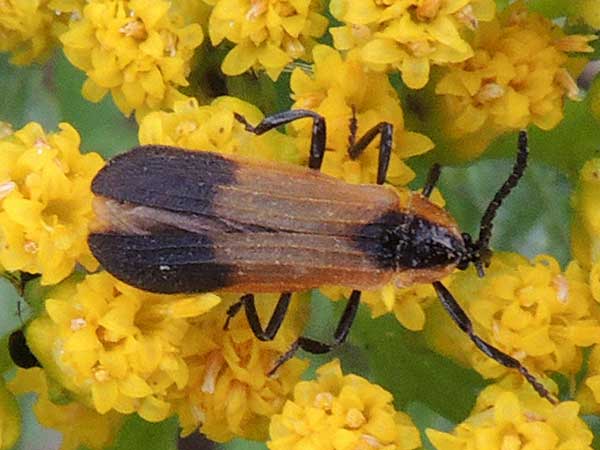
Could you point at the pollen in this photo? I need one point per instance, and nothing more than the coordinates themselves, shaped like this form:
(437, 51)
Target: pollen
(324, 400)
(6, 188)
(78, 323)
(562, 288)
(355, 418)
(101, 375)
(30, 247)
(134, 29)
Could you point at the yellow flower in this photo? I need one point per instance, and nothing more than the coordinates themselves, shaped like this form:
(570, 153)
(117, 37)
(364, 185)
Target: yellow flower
(114, 346)
(506, 417)
(214, 128)
(585, 228)
(341, 412)
(515, 78)
(410, 35)
(29, 29)
(268, 34)
(229, 393)
(79, 425)
(45, 202)
(334, 93)
(136, 49)
(10, 418)
(530, 310)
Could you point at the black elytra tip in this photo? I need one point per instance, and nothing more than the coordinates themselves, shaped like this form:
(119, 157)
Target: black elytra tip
(399, 240)
(182, 262)
(168, 178)
(20, 352)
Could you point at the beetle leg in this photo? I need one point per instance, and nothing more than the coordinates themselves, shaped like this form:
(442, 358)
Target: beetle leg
(462, 320)
(339, 336)
(432, 178)
(319, 130)
(386, 130)
(268, 333)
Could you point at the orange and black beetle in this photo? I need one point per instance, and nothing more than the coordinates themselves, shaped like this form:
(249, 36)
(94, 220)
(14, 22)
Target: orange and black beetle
(172, 220)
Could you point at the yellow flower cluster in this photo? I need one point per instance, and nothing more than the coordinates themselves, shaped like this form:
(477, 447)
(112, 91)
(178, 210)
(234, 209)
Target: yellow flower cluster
(45, 202)
(268, 34)
(214, 128)
(409, 36)
(341, 412)
(29, 29)
(530, 310)
(121, 350)
(516, 77)
(229, 393)
(116, 347)
(91, 429)
(516, 418)
(335, 94)
(138, 50)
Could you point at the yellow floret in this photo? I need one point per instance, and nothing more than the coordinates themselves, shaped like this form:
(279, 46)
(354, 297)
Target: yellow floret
(335, 94)
(409, 36)
(531, 310)
(116, 347)
(138, 50)
(268, 34)
(517, 76)
(508, 416)
(230, 393)
(78, 424)
(214, 128)
(341, 412)
(45, 202)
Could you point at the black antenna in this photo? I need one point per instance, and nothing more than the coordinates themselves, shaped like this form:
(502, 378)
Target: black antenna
(485, 228)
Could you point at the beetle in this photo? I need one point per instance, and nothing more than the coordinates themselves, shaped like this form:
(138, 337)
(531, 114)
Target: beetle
(171, 220)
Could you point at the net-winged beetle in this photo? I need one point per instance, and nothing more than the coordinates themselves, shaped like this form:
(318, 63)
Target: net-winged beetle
(172, 220)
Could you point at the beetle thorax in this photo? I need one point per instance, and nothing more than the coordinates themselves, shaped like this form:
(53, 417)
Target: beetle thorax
(417, 243)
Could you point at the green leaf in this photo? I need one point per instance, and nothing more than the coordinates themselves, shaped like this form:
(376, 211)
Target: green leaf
(551, 8)
(25, 95)
(102, 127)
(402, 364)
(242, 444)
(136, 433)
